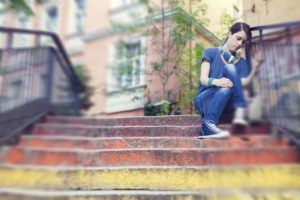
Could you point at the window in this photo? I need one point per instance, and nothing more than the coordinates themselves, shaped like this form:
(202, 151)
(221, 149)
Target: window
(128, 66)
(52, 19)
(80, 15)
(23, 21)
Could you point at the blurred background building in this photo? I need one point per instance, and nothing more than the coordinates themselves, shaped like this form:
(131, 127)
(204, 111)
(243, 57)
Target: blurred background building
(90, 32)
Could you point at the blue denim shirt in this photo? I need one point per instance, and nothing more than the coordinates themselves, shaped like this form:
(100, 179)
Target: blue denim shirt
(213, 56)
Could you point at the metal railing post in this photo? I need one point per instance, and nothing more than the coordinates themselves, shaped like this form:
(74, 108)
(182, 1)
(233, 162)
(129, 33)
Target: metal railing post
(50, 75)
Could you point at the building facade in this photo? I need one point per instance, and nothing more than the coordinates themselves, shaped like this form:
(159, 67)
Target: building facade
(87, 29)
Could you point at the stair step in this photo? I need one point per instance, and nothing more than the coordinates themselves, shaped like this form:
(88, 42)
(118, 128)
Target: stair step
(22, 194)
(147, 158)
(130, 131)
(71, 142)
(141, 157)
(180, 120)
(115, 131)
(152, 178)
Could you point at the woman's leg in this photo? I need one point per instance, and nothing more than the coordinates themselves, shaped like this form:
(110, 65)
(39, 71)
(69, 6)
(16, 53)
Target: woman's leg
(217, 104)
(238, 94)
(202, 100)
(210, 103)
(238, 97)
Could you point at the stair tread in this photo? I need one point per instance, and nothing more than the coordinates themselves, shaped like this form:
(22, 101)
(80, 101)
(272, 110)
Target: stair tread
(54, 141)
(67, 137)
(198, 149)
(134, 131)
(153, 178)
(181, 157)
(128, 117)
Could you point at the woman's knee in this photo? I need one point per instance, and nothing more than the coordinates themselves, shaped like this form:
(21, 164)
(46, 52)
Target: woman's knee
(225, 91)
(196, 102)
(199, 102)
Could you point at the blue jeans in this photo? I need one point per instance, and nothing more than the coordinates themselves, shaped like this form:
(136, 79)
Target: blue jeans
(212, 101)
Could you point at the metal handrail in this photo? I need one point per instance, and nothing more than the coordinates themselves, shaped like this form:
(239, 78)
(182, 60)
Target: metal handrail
(278, 25)
(35, 80)
(279, 74)
(56, 40)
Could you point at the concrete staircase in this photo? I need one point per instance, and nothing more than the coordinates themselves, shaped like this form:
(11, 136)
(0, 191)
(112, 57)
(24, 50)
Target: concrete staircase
(146, 158)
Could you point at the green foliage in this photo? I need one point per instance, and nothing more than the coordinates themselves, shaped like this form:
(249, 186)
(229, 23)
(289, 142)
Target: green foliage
(170, 39)
(125, 27)
(196, 8)
(85, 96)
(146, 2)
(189, 79)
(162, 108)
(19, 6)
(165, 108)
(225, 22)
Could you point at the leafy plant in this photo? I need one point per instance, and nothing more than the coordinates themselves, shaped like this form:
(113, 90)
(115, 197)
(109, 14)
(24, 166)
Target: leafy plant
(189, 79)
(225, 22)
(171, 44)
(171, 40)
(160, 108)
(85, 96)
(18, 6)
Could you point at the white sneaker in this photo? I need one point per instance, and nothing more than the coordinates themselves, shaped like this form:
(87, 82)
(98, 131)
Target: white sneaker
(223, 134)
(239, 117)
(210, 130)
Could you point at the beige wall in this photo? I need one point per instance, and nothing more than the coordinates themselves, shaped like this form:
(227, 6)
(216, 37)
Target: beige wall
(95, 60)
(97, 16)
(216, 8)
(258, 12)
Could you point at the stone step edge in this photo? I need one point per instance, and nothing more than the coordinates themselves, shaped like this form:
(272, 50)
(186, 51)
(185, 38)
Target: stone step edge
(45, 141)
(59, 125)
(200, 149)
(243, 138)
(118, 118)
(168, 117)
(87, 138)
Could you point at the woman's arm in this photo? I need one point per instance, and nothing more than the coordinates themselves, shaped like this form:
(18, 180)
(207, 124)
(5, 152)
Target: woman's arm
(247, 80)
(255, 68)
(222, 82)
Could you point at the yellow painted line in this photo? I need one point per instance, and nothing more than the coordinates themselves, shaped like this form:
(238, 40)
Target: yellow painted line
(160, 178)
(137, 195)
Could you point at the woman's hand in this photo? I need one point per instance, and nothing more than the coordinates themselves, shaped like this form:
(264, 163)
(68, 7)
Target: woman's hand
(223, 82)
(257, 61)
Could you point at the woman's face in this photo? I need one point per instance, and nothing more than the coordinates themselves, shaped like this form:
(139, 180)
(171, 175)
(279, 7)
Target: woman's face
(236, 40)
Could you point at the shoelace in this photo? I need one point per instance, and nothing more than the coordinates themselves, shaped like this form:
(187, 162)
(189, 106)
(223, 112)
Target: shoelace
(213, 127)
